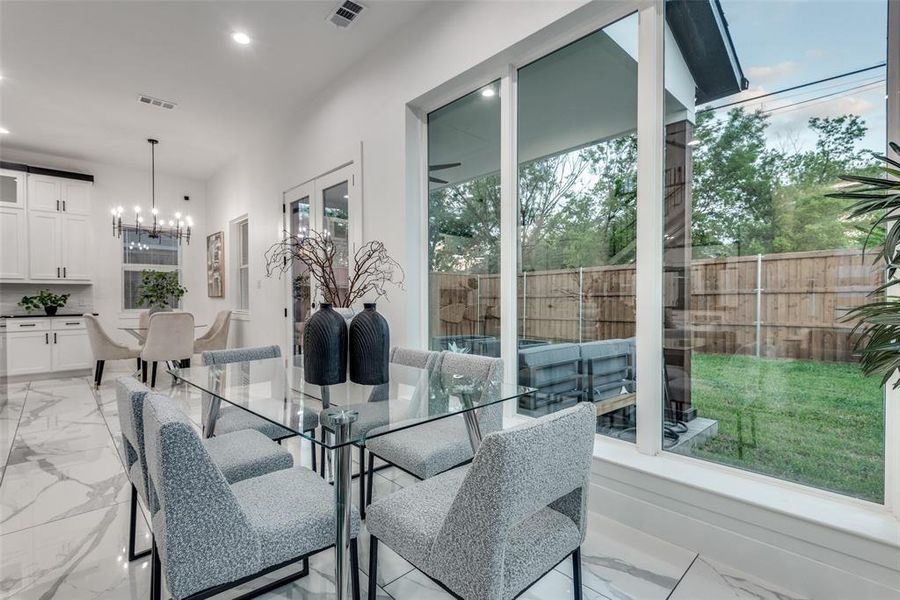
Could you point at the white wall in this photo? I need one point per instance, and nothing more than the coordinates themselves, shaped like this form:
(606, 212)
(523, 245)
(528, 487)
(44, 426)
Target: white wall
(114, 186)
(367, 104)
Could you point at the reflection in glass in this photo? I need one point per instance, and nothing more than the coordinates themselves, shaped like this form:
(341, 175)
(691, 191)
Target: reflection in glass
(336, 224)
(464, 224)
(300, 284)
(760, 265)
(577, 150)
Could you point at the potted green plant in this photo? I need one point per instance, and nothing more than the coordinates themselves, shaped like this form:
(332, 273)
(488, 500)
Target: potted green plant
(45, 299)
(160, 290)
(878, 322)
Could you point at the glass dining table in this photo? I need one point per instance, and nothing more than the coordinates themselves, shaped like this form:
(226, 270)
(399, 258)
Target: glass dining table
(347, 414)
(140, 333)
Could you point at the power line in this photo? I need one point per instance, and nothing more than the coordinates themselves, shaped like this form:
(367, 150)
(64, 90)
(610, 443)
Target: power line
(837, 93)
(794, 87)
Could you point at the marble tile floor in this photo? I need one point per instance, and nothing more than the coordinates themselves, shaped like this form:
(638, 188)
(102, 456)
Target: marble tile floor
(64, 518)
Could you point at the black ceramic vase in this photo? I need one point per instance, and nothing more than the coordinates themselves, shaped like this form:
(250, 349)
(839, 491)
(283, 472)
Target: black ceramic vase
(370, 343)
(325, 347)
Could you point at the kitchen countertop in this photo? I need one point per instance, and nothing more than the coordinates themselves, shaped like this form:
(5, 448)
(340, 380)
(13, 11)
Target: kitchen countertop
(43, 316)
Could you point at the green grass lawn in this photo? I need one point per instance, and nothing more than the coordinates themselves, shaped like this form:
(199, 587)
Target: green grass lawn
(820, 424)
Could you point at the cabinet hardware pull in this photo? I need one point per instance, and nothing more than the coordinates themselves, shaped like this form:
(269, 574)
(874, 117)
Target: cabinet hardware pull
(57, 272)
(27, 324)
(54, 338)
(57, 206)
(64, 272)
(73, 323)
(64, 206)
(46, 338)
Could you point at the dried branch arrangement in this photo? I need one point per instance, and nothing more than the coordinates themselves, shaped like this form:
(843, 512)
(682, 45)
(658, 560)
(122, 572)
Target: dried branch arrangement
(373, 268)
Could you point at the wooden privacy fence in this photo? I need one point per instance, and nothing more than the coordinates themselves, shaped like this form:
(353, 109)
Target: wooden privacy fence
(776, 305)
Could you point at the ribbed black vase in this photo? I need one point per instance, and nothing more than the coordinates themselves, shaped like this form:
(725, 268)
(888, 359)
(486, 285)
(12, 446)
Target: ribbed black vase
(370, 343)
(325, 347)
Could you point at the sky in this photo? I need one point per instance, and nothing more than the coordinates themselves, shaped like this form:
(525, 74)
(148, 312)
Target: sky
(781, 43)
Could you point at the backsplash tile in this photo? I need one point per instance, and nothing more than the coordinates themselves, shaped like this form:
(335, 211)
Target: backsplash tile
(80, 301)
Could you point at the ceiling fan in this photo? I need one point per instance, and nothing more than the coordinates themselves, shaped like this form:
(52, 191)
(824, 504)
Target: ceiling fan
(441, 167)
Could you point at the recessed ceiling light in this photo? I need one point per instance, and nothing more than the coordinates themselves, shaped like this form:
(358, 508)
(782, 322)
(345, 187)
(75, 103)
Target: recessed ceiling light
(4, 131)
(241, 38)
(488, 92)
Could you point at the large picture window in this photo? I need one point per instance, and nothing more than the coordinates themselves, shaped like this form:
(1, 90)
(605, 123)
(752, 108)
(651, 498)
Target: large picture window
(760, 265)
(141, 253)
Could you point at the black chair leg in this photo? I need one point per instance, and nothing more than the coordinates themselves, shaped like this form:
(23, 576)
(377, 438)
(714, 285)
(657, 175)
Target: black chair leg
(132, 529)
(363, 476)
(373, 566)
(354, 569)
(155, 575)
(312, 451)
(143, 371)
(370, 479)
(138, 359)
(98, 373)
(322, 455)
(576, 572)
(153, 374)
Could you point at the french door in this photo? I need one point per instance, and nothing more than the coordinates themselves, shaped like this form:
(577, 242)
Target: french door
(329, 204)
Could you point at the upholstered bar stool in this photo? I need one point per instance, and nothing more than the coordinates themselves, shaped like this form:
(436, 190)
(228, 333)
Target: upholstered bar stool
(239, 456)
(489, 530)
(212, 536)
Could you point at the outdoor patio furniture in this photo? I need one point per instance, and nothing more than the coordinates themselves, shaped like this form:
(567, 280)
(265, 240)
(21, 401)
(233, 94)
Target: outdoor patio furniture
(554, 370)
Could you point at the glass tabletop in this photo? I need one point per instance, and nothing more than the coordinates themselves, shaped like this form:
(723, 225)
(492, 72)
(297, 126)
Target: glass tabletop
(280, 394)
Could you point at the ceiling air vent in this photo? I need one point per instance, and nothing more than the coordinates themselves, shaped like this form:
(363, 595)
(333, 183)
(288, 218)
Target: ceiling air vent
(145, 99)
(346, 13)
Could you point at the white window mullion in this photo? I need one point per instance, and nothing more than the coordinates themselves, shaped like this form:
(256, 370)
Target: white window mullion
(892, 396)
(649, 268)
(509, 230)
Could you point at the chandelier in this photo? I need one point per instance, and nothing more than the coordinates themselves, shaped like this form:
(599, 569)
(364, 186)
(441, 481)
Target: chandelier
(178, 228)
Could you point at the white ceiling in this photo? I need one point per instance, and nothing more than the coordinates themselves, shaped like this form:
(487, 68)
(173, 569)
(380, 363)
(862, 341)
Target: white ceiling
(72, 72)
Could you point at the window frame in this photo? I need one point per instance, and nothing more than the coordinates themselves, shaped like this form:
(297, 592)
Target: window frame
(235, 227)
(140, 267)
(649, 263)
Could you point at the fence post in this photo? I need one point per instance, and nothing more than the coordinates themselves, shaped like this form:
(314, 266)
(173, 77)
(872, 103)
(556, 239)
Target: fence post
(479, 322)
(524, 300)
(580, 303)
(758, 304)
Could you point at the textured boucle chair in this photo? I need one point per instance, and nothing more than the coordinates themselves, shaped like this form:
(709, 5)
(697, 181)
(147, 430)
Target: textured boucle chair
(228, 419)
(489, 530)
(212, 536)
(239, 455)
(435, 447)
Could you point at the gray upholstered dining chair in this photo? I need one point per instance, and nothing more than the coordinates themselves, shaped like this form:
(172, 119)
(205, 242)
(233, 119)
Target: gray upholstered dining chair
(239, 455)
(216, 338)
(212, 536)
(219, 419)
(435, 447)
(170, 337)
(489, 530)
(105, 348)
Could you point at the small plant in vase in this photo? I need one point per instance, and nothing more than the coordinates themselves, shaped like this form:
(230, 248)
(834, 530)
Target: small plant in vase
(325, 338)
(160, 290)
(45, 299)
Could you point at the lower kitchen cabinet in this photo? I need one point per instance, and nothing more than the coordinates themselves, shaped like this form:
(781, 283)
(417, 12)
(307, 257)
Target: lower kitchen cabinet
(44, 345)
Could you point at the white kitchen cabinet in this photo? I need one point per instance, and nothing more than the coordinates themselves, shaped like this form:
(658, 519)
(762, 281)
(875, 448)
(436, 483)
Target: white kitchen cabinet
(44, 193)
(75, 247)
(45, 345)
(13, 244)
(12, 189)
(44, 246)
(28, 352)
(76, 197)
(71, 350)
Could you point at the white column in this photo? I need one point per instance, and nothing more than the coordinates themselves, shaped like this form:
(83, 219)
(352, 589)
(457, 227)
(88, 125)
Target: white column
(649, 269)
(509, 230)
